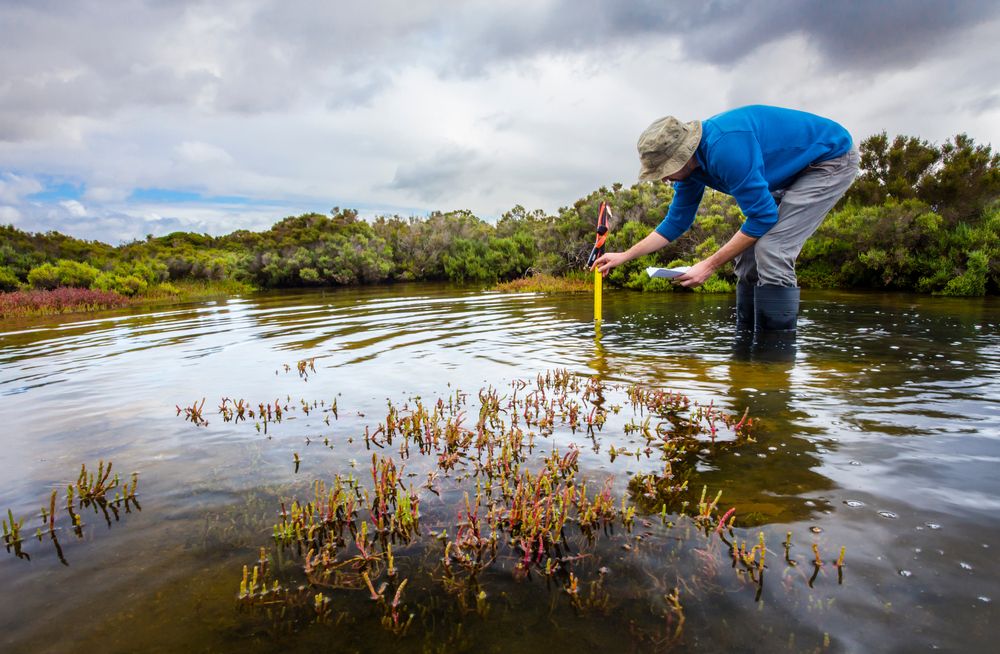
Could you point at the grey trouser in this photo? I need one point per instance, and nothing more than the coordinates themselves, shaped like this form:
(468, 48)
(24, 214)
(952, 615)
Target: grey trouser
(801, 208)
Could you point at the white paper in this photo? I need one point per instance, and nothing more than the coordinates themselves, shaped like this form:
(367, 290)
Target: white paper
(667, 273)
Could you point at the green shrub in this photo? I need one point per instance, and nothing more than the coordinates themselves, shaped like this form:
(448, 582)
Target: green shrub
(309, 275)
(8, 280)
(466, 261)
(889, 246)
(129, 285)
(716, 284)
(973, 280)
(63, 273)
(511, 257)
(45, 277)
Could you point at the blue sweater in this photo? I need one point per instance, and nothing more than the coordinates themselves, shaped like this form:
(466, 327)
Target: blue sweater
(747, 153)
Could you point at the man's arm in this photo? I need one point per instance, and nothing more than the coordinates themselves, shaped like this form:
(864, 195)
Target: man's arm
(699, 272)
(683, 206)
(739, 163)
(687, 197)
(651, 243)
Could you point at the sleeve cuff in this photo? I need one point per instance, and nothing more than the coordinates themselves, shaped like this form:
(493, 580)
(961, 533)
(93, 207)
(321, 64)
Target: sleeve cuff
(755, 229)
(669, 231)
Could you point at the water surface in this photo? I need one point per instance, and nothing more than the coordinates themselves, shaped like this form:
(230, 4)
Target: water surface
(880, 432)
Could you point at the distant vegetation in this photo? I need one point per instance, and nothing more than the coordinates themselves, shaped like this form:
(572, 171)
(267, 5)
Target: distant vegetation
(920, 217)
(581, 282)
(58, 300)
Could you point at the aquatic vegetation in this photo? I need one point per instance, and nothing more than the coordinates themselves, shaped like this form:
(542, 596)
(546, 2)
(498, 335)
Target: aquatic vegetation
(12, 535)
(91, 487)
(235, 413)
(91, 491)
(303, 367)
(240, 409)
(193, 413)
(503, 467)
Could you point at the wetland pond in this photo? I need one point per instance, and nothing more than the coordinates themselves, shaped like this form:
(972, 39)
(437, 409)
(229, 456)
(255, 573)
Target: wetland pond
(431, 469)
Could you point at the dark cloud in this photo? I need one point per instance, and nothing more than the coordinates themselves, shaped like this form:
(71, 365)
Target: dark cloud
(16, 126)
(856, 35)
(444, 172)
(91, 58)
(985, 103)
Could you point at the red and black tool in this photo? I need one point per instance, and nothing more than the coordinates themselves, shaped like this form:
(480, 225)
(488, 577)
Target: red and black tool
(602, 234)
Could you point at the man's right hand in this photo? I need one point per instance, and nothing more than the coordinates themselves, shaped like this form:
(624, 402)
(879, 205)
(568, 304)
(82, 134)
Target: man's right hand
(609, 260)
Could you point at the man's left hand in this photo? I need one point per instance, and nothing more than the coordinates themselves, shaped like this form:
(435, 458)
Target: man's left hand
(696, 275)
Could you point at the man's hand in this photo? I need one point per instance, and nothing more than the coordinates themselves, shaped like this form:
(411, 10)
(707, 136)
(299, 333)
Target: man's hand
(609, 260)
(701, 271)
(696, 274)
(651, 243)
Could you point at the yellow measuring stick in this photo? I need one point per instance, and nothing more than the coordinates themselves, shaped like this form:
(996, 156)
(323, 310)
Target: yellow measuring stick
(598, 277)
(602, 235)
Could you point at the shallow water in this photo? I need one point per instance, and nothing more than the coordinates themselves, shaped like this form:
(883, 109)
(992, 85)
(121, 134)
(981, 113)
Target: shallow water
(880, 432)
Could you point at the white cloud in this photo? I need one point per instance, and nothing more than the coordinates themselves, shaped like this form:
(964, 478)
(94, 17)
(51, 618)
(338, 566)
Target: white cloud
(14, 187)
(121, 223)
(197, 152)
(73, 208)
(9, 216)
(105, 194)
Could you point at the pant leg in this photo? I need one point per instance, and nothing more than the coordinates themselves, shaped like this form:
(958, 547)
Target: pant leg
(803, 207)
(745, 265)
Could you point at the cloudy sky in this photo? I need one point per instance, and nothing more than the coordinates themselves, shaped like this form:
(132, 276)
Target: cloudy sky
(127, 117)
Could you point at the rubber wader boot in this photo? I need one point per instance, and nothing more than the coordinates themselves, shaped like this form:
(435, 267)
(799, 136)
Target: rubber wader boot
(743, 339)
(776, 311)
(776, 308)
(744, 307)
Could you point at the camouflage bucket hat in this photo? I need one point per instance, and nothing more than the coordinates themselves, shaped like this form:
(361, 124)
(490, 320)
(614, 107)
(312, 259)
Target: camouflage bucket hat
(666, 146)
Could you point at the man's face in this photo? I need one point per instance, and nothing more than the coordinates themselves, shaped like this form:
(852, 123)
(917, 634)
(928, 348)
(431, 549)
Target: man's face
(683, 172)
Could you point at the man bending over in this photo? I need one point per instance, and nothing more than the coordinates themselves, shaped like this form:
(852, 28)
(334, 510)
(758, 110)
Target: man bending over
(785, 168)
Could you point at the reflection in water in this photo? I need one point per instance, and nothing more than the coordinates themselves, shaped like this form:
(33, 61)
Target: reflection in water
(889, 405)
(599, 362)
